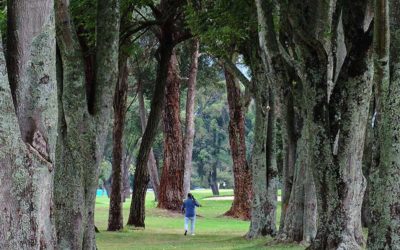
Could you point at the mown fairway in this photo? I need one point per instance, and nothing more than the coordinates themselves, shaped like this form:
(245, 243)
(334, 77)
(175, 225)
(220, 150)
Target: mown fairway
(165, 230)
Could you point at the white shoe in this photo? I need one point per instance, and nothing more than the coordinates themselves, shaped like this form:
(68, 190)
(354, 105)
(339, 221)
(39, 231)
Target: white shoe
(192, 234)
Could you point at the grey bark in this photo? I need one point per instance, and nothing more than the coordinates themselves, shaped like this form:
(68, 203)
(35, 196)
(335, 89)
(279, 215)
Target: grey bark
(384, 230)
(189, 125)
(264, 174)
(82, 133)
(28, 127)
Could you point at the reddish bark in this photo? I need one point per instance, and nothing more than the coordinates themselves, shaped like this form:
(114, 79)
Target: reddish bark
(171, 183)
(115, 219)
(241, 171)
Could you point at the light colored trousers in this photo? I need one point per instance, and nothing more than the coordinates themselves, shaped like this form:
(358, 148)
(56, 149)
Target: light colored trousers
(192, 222)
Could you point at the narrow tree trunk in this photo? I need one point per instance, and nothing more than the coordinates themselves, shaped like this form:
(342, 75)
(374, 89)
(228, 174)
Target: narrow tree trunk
(141, 179)
(241, 170)
(189, 125)
(126, 185)
(289, 140)
(115, 216)
(171, 183)
(82, 134)
(152, 164)
(384, 230)
(28, 128)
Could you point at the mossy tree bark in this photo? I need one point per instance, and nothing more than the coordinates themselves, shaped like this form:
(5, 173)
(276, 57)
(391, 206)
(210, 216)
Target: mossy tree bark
(241, 170)
(115, 216)
(83, 122)
(384, 230)
(28, 107)
(171, 182)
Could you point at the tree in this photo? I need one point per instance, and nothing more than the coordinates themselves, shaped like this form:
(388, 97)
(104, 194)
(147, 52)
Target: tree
(115, 219)
(84, 100)
(241, 169)
(168, 16)
(384, 229)
(28, 127)
(189, 123)
(171, 183)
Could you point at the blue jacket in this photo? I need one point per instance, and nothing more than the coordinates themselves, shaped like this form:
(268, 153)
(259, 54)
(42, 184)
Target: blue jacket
(189, 206)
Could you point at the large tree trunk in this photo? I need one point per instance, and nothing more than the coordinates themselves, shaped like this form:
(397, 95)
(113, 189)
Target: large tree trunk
(171, 183)
(28, 127)
(241, 170)
(115, 216)
(82, 132)
(189, 125)
(384, 230)
(340, 123)
(141, 179)
(152, 164)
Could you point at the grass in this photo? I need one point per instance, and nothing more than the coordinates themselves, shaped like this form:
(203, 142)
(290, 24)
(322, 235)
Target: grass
(165, 230)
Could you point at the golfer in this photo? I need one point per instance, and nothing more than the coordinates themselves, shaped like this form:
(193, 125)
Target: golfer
(189, 208)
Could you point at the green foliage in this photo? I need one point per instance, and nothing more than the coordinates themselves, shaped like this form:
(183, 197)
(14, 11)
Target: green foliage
(222, 24)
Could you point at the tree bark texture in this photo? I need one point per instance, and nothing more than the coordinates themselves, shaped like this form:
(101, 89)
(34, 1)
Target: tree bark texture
(384, 230)
(241, 170)
(152, 164)
(289, 141)
(189, 125)
(28, 107)
(300, 222)
(262, 164)
(82, 134)
(115, 216)
(339, 117)
(171, 182)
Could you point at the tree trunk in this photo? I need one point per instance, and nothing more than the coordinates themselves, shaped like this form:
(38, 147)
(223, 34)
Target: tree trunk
(241, 171)
(126, 185)
(384, 230)
(340, 123)
(189, 125)
(152, 164)
(141, 179)
(82, 133)
(28, 127)
(289, 135)
(115, 216)
(300, 216)
(171, 183)
(262, 221)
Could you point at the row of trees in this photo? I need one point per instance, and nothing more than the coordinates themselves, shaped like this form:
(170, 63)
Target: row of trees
(319, 74)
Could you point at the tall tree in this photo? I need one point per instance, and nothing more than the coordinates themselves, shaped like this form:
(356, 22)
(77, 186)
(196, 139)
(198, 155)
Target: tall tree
(115, 217)
(241, 170)
(171, 182)
(84, 119)
(28, 127)
(189, 122)
(168, 16)
(384, 229)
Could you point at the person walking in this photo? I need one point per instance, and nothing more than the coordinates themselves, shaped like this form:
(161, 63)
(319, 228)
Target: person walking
(189, 209)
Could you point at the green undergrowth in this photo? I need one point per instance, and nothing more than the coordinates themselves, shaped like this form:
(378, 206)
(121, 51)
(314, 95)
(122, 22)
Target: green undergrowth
(164, 230)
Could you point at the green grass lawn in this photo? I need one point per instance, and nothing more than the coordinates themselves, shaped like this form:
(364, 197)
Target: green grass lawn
(165, 230)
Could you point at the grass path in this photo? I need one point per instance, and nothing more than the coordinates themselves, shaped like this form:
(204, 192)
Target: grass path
(165, 230)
